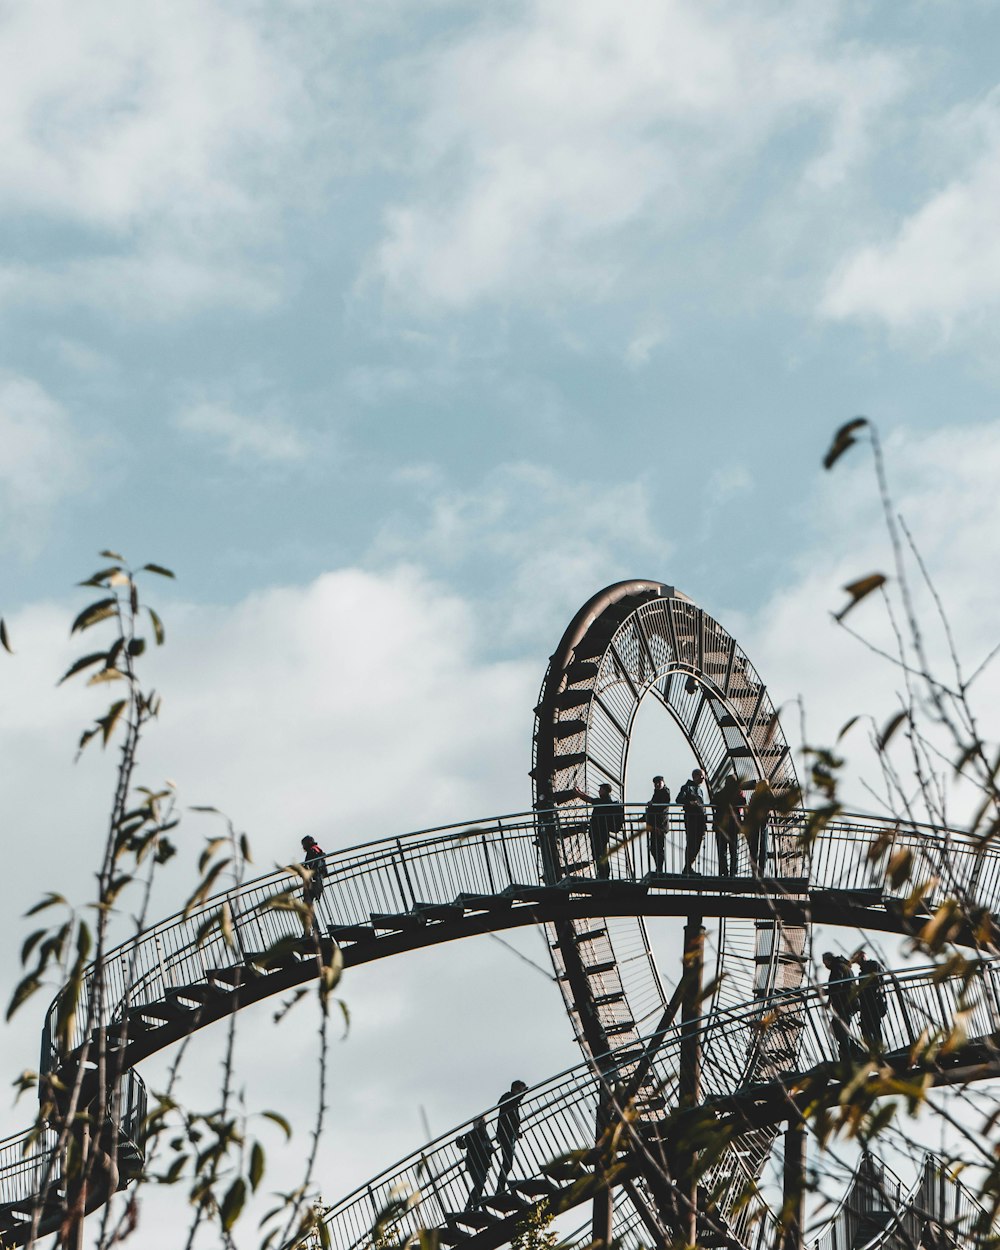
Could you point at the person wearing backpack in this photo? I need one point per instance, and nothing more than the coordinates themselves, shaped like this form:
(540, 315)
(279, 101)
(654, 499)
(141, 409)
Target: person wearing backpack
(315, 861)
(692, 800)
(871, 1002)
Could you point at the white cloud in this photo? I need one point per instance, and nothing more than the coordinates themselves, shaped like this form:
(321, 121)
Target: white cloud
(351, 708)
(940, 269)
(160, 134)
(241, 436)
(42, 459)
(943, 483)
(539, 537)
(546, 138)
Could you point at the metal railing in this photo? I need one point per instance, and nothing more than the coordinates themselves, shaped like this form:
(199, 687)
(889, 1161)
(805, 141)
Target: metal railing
(497, 854)
(559, 1116)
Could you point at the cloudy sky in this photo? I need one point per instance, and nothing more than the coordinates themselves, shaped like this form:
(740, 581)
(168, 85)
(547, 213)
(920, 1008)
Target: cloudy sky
(397, 330)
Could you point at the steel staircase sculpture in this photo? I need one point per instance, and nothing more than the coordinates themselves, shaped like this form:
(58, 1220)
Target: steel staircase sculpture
(438, 885)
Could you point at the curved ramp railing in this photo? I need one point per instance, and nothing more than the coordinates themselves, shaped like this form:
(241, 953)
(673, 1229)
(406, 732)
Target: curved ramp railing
(400, 881)
(879, 1212)
(430, 1188)
(411, 883)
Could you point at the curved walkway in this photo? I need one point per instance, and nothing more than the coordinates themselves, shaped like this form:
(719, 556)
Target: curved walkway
(556, 1159)
(436, 885)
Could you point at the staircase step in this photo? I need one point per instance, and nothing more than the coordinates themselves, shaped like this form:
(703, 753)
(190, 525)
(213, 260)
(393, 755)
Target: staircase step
(438, 911)
(601, 1000)
(201, 992)
(233, 976)
(595, 970)
(484, 902)
(626, 1026)
(534, 1187)
(397, 922)
(169, 1011)
(581, 670)
(569, 728)
(506, 1202)
(351, 932)
(471, 1219)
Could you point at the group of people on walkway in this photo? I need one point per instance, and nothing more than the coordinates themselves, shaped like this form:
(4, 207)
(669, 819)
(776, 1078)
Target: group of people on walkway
(478, 1145)
(607, 821)
(862, 996)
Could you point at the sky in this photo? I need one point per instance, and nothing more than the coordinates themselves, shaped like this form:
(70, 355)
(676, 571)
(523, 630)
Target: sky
(397, 330)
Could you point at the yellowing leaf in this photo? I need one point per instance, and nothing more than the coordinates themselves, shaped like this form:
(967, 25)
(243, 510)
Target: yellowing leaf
(860, 590)
(842, 440)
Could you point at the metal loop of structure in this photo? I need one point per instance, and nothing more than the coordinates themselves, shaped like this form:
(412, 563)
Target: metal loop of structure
(634, 640)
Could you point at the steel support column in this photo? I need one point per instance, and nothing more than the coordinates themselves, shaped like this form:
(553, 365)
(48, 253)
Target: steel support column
(793, 1204)
(689, 1074)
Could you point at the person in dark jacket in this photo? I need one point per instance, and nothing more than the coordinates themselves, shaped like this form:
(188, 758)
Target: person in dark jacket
(606, 821)
(315, 861)
(508, 1128)
(478, 1148)
(841, 990)
(692, 800)
(727, 816)
(656, 816)
(871, 1001)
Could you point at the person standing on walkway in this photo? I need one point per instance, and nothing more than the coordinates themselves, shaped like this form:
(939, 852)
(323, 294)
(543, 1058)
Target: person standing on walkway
(692, 800)
(841, 989)
(508, 1129)
(657, 815)
(727, 816)
(871, 999)
(756, 820)
(478, 1148)
(315, 861)
(606, 820)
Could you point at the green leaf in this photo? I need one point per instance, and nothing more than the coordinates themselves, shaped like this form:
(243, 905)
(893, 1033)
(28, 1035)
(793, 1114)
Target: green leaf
(93, 613)
(137, 646)
(79, 665)
(158, 568)
(281, 1122)
(158, 631)
(111, 555)
(859, 590)
(50, 900)
(842, 440)
(233, 1202)
(256, 1165)
(4, 639)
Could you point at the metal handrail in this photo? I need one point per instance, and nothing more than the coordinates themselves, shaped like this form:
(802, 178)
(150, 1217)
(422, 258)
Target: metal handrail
(558, 1115)
(486, 856)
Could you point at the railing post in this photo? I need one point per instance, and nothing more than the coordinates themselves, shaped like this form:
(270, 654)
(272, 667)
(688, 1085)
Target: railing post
(489, 866)
(506, 853)
(406, 874)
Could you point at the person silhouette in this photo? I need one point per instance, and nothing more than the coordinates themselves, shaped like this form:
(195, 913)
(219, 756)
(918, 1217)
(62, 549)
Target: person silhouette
(478, 1148)
(656, 816)
(607, 818)
(692, 800)
(508, 1129)
(315, 861)
(841, 989)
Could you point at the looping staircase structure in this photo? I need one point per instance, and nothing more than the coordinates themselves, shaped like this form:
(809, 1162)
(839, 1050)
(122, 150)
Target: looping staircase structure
(632, 641)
